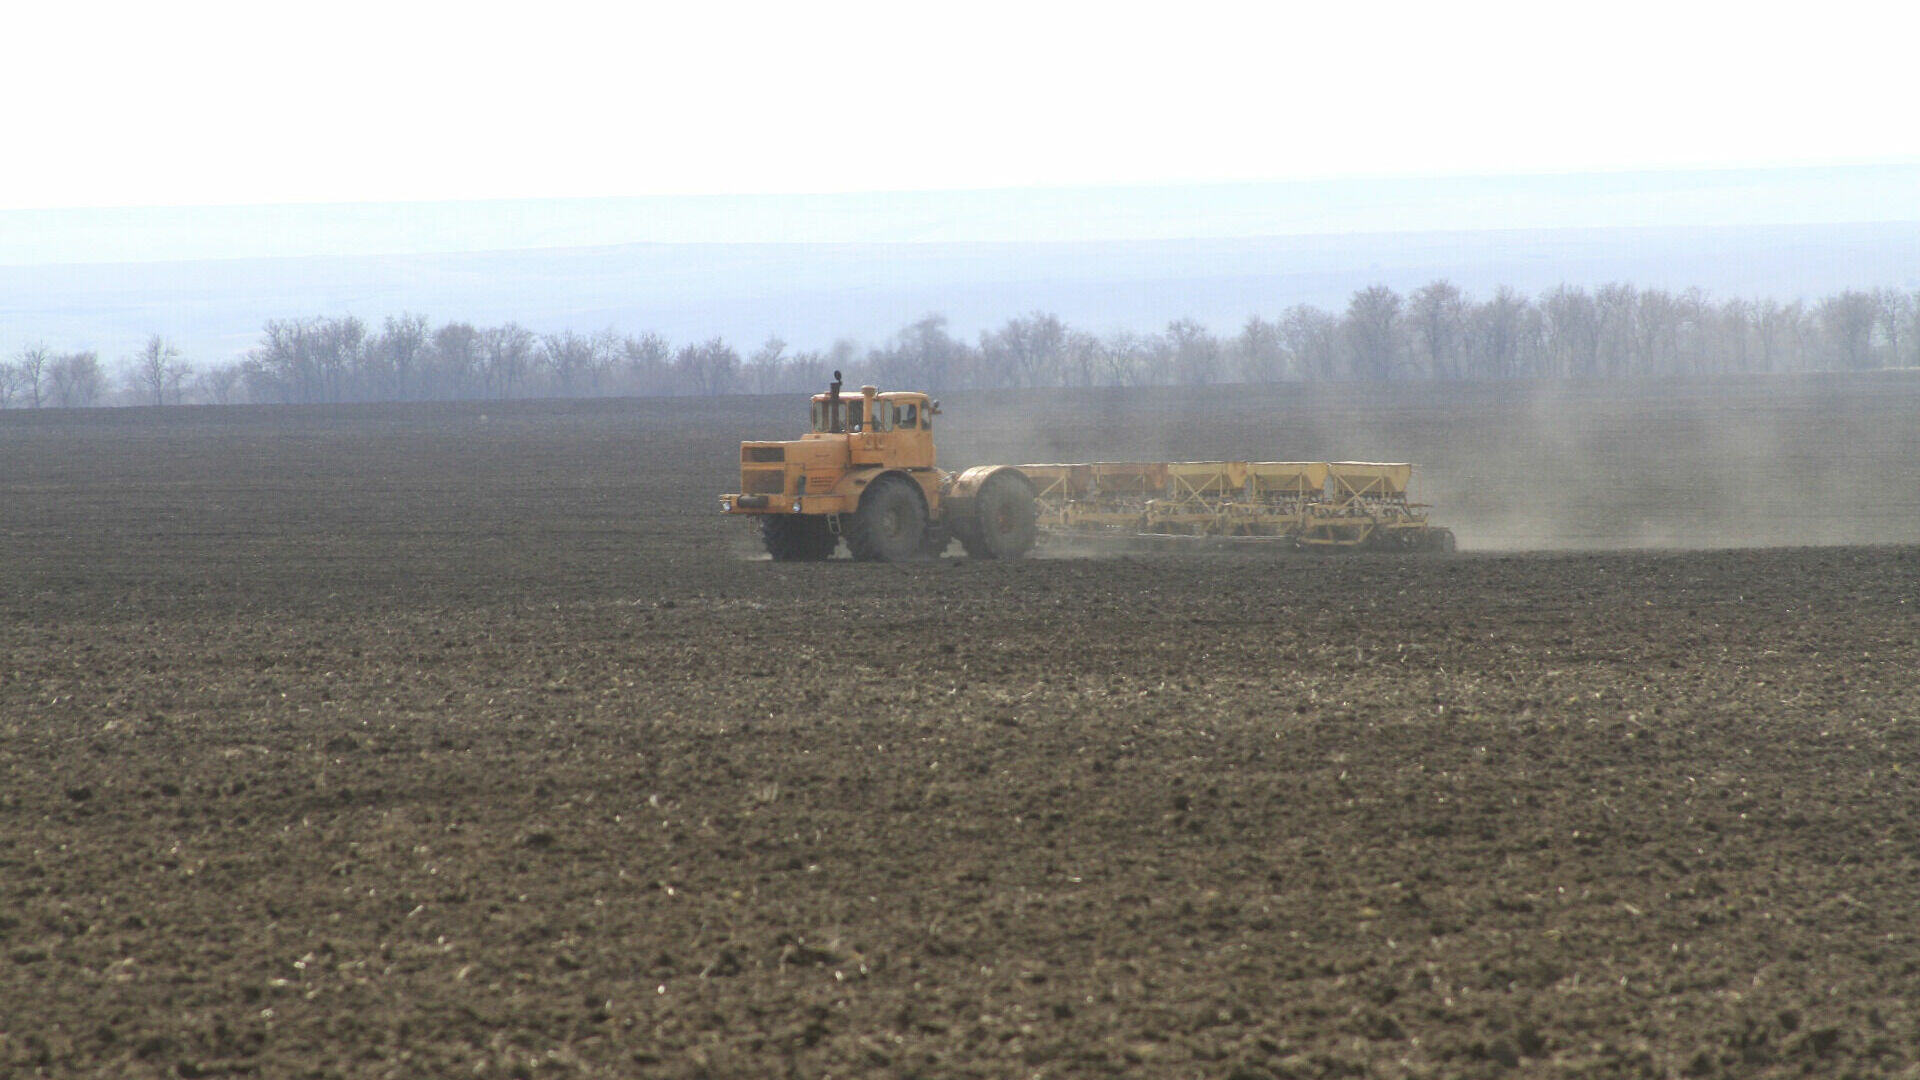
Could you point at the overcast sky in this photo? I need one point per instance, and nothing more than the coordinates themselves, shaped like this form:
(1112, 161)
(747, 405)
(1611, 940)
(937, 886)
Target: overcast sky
(206, 104)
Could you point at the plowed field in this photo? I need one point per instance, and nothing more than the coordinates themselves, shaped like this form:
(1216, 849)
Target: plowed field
(468, 740)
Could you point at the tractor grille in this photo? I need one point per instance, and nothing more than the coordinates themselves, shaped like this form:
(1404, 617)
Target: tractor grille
(763, 481)
(763, 454)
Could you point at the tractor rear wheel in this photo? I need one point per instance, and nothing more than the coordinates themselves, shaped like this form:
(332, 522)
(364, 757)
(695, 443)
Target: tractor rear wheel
(891, 523)
(797, 537)
(1005, 519)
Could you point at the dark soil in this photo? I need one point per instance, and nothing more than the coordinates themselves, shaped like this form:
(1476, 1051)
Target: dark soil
(399, 742)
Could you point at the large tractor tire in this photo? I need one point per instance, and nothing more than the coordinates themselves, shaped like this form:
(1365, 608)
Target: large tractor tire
(1005, 519)
(891, 524)
(797, 537)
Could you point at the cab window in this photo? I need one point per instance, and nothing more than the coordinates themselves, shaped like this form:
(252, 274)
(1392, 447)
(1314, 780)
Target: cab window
(906, 416)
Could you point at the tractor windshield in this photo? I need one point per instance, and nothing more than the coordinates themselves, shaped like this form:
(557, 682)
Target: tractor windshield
(848, 419)
(890, 415)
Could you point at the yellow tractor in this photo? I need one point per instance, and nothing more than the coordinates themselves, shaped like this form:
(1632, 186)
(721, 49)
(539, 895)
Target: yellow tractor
(865, 474)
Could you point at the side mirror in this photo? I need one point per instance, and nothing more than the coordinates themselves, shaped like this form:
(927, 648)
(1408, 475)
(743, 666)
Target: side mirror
(933, 409)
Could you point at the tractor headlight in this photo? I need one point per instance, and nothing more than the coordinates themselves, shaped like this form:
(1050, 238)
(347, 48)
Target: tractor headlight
(726, 506)
(796, 506)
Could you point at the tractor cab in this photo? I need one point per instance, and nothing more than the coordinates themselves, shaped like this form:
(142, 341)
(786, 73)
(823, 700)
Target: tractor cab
(894, 430)
(894, 412)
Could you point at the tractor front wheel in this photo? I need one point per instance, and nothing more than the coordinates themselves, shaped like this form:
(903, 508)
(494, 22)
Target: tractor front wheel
(797, 537)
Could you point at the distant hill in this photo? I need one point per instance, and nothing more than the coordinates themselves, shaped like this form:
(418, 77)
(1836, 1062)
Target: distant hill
(812, 293)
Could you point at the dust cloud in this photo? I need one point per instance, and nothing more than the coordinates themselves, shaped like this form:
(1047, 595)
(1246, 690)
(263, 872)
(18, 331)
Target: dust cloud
(1752, 461)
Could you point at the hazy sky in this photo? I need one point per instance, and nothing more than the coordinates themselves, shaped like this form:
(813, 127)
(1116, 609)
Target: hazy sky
(200, 103)
(1717, 197)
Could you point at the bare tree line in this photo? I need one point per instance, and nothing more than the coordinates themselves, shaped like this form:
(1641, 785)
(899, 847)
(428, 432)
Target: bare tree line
(38, 378)
(1436, 332)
